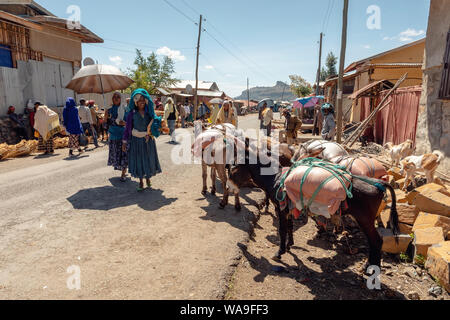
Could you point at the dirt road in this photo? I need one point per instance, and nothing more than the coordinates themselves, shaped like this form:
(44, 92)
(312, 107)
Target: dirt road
(168, 243)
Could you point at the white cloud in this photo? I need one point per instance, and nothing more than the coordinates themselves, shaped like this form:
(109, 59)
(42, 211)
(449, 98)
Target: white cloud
(173, 54)
(407, 35)
(366, 46)
(209, 67)
(117, 60)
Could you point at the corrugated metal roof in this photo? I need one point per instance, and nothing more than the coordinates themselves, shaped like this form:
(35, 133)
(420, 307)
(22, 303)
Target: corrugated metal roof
(362, 91)
(207, 93)
(398, 65)
(203, 85)
(164, 91)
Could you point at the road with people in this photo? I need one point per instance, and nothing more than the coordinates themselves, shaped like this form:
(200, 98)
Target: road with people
(62, 215)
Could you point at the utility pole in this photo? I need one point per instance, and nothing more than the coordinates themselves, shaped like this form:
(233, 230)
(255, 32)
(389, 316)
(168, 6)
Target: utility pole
(196, 68)
(340, 118)
(320, 65)
(317, 84)
(248, 94)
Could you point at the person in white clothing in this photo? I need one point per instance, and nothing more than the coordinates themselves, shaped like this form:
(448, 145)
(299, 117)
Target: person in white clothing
(86, 121)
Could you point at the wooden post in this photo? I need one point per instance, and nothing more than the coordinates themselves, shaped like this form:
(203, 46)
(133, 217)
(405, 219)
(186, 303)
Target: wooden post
(320, 65)
(248, 95)
(316, 124)
(340, 118)
(196, 68)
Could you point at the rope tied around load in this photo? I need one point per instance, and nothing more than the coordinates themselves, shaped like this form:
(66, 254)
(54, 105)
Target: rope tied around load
(337, 172)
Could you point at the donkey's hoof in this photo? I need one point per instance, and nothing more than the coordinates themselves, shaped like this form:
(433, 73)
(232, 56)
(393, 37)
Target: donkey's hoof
(238, 207)
(222, 206)
(277, 258)
(213, 192)
(204, 192)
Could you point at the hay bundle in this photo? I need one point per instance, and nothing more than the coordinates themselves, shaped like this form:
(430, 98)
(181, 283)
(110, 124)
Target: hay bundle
(4, 150)
(61, 143)
(22, 149)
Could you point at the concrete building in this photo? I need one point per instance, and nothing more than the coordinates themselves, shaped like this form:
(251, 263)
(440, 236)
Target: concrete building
(433, 132)
(39, 54)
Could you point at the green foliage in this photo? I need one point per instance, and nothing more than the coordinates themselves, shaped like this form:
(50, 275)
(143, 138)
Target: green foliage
(331, 65)
(323, 74)
(150, 73)
(420, 260)
(404, 257)
(299, 86)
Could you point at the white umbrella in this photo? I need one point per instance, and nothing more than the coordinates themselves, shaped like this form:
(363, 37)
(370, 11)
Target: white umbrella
(269, 102)
(99, 79)
(216, 101)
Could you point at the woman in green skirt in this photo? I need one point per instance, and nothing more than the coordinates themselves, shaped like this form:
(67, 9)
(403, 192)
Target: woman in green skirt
(141, 128)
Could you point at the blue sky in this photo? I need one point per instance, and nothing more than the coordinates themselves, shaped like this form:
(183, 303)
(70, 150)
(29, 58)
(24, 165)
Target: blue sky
(268, 40)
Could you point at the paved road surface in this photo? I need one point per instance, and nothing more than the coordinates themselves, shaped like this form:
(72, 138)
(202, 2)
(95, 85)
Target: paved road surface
(168, 243)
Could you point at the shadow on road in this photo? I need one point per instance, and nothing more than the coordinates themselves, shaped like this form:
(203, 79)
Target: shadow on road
(119, 195)
(334, 283)
(242, 220)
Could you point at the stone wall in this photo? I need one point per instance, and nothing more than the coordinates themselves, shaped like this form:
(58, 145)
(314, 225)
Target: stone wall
(433, 129)
(8, 134)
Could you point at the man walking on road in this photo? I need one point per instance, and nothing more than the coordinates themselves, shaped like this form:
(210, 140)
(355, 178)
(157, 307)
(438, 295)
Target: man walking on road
(86, 121)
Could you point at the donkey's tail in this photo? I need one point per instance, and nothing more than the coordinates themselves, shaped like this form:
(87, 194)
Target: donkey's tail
(393, 220)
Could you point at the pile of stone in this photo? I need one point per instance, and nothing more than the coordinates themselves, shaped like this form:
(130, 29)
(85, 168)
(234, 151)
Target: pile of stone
(424, 215)
(8, 134)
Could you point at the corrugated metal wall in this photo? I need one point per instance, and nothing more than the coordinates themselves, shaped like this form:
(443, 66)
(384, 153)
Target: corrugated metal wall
(397, 122)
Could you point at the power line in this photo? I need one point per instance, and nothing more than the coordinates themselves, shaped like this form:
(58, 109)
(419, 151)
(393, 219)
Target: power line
(236, 47)
(329, 15)
(139, 45)
(326, 15)
(233, 55)
(190, 7)
(181, 12)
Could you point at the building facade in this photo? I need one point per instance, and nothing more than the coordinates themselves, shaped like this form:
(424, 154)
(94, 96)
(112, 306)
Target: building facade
(433, 132)
(39, 55)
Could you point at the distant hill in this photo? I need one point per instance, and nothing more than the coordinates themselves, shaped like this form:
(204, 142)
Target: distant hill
(275, 93)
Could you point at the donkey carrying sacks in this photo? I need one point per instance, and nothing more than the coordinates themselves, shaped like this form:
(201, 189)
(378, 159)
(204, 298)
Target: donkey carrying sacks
(328, 199)
(365, 167)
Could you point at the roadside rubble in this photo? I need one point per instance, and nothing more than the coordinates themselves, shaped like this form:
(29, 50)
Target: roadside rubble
(424, 221)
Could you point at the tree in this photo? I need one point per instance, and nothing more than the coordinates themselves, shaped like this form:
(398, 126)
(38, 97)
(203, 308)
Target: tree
(331, 65)
(151, 74)
(299, 86)
(323, 74)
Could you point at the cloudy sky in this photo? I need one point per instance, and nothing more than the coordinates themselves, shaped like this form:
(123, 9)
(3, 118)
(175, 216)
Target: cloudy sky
(263, 40)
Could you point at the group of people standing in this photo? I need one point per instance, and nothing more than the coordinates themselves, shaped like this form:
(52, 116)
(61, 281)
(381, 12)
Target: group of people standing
(132, 130)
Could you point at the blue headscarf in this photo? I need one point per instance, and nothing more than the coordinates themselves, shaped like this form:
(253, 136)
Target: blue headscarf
(149, 109)
(70, 117)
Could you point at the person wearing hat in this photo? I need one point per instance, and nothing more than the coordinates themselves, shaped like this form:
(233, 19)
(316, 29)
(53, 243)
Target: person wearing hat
(293, 125)
(329, 124)
(267, 118)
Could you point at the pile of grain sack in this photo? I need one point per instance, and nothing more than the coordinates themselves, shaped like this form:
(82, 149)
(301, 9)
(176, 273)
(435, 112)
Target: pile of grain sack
(424, 216)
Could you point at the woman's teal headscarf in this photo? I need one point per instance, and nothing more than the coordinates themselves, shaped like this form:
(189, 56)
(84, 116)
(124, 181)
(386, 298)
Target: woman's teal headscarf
(149, 109)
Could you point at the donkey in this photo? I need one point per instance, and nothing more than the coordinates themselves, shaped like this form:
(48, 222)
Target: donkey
(363, 207)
